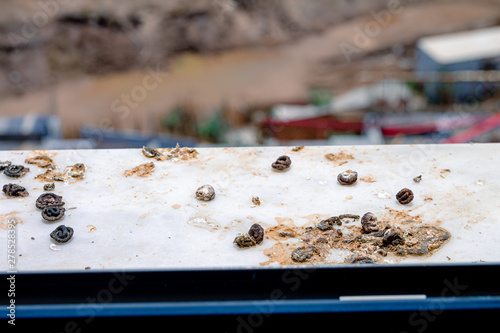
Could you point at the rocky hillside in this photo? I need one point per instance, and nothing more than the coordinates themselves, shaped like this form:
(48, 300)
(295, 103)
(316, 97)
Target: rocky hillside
(43, 42)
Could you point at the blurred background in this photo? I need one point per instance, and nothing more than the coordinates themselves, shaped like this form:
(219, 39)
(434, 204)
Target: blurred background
(115, 73)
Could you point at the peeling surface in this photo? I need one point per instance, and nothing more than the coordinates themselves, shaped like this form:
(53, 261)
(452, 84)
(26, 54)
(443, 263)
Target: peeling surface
(204, 223)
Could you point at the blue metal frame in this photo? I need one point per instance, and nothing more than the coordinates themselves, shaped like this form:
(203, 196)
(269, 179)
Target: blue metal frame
(256, 306)
(342, 289)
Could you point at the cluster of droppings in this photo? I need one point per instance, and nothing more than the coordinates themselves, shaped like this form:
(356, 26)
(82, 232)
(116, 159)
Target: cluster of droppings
(396, 235)
(370, 240)
(329, 223)
(70, 174)
(256, 232)
(181, 153)
(52, 209)
(254, 236)
(76, 171)
(163, 154)
(50, 204)
(44, 160)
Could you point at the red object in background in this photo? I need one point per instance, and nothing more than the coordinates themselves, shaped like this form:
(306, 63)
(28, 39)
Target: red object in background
(310, 128)
(475, 131)
(431, 126)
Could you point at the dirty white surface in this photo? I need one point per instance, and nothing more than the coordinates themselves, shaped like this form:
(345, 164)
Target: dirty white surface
(156, 222)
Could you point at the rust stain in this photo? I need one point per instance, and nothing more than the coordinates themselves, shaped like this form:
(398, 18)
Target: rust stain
(143, 216)
(10, 218)
(41, 160)
(285, 220)
(339, 158)
(427, 198)
(368, 179)
(444, 172)
(143, 170)
(315, 218)
(72, 173)
(401, 216)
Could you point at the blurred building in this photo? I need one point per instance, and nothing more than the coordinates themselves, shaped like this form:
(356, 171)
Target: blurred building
(477, 50)
(28, 130)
